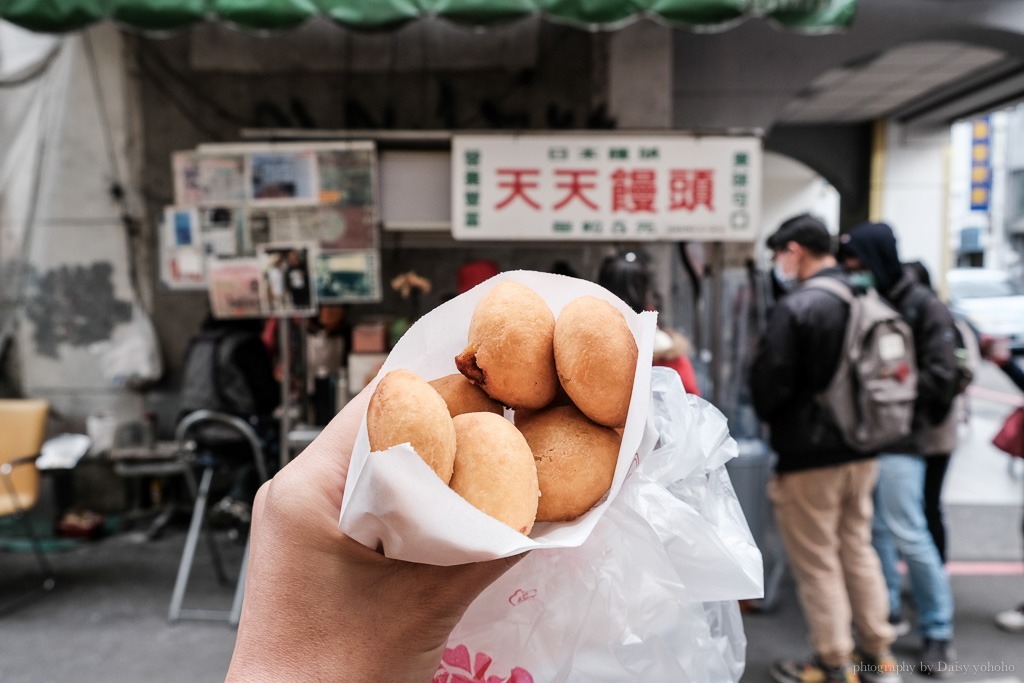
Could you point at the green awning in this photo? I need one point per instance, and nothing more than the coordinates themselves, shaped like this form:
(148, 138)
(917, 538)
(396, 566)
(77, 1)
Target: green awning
(54, 16)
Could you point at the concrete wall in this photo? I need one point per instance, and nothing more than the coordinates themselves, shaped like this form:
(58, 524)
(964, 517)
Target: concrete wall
(791, 188)
(82, 292)
(209, 83)
(915, 194)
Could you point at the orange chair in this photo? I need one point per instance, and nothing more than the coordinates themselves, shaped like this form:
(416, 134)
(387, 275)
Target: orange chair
(22, 425)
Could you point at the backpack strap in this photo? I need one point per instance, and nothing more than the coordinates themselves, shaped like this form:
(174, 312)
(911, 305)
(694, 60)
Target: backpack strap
(832, 285)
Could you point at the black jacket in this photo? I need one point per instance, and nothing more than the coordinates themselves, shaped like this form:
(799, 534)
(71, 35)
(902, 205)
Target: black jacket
(796, 359)
(929, 319)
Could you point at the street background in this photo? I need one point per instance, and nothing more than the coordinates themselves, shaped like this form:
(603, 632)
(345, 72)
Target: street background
(106, 619)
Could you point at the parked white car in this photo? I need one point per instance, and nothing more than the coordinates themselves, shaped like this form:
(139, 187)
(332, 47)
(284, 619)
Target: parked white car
(988, 299)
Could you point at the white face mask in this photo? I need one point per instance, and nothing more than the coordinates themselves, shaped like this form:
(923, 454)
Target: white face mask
(785, 280)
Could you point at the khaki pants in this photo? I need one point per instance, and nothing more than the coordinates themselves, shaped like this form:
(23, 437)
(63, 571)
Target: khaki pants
(824, 518)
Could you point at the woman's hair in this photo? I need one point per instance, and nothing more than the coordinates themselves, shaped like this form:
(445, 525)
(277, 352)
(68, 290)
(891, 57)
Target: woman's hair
(625, 275)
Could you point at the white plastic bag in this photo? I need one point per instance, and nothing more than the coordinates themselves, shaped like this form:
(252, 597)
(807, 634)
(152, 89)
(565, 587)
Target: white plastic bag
(131, 357)
(643, 599)
(631, 591)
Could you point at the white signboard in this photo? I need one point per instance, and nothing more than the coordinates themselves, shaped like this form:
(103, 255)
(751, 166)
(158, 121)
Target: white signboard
(621, 187)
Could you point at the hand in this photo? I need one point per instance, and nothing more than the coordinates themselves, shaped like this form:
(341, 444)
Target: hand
(319, 605)
(995, 349)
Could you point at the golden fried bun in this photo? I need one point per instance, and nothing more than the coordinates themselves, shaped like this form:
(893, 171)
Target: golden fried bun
(575, 461)
(462, 396)
(405, 409)
(596, 356)
(510, 353)
(495, 470)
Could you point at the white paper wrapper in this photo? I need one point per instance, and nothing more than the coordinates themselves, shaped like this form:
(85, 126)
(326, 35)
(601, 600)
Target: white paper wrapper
(394, 501)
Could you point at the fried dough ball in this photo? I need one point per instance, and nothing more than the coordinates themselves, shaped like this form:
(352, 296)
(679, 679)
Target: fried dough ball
(495, 470)
(510, 351)
(596, 357)
(575, 460)
(405, 409)
(462, 396)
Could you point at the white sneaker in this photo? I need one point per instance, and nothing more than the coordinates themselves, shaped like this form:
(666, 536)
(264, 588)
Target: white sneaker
(1011, 620)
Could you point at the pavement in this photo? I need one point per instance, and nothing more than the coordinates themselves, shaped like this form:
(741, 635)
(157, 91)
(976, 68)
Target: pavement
(106, 619)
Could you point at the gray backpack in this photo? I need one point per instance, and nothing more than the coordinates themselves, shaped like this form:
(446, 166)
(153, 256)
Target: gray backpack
(872, 395)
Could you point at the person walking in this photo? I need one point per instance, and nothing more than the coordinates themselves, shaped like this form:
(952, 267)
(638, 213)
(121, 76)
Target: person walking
(998, 351)
(900, 525)
(821, 489)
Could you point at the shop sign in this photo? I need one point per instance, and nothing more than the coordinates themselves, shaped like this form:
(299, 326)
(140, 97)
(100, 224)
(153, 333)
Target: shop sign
(616, 188)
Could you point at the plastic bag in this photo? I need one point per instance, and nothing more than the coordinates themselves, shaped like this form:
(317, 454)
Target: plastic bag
(650, 596)
(131, 357)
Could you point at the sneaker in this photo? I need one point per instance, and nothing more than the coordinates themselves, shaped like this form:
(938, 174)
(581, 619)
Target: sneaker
(811, 671)
(881, 669)
(899, 624)
(936, 658)
(1012, 620)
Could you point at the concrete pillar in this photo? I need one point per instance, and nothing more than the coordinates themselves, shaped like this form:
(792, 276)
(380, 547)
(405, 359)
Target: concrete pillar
(640, 98)
(914, 194)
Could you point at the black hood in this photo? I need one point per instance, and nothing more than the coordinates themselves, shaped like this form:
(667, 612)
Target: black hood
(875, 245)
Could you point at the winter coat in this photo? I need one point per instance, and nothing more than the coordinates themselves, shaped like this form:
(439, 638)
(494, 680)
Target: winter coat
(796, 359)
(672, 350)
(937, 368)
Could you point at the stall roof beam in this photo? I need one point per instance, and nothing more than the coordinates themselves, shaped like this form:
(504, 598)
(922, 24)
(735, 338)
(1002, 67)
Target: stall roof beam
(56, 16)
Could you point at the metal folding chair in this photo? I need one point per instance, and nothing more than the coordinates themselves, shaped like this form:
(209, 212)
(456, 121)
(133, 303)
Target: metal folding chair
(199, 521)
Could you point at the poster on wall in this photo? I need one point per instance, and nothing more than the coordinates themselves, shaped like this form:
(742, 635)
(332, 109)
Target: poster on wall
(223, 230)
(185, 171)
(235, 287)
(332, 227)
(348, 276)
(286, 287)
(606, 187)
(235, 200)
(221, 179)
(182, 251)
(283, 177)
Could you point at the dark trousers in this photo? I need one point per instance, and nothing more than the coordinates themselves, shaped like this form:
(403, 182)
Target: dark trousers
(934, 475)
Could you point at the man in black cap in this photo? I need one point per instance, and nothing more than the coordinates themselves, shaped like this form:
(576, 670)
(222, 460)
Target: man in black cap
(821, 490)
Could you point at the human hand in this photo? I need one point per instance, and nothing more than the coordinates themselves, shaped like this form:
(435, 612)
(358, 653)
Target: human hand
(995, 349)
(321, 606)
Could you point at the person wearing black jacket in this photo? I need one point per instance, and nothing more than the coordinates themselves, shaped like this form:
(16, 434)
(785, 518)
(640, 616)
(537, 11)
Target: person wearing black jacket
(998, 351)
(900, 526)
(821, 490)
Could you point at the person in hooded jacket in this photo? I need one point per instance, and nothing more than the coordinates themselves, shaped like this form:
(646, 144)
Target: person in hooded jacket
(900, 526)
(821, 490)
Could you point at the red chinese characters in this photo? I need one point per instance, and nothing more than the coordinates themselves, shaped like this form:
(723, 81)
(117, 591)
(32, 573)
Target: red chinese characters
(521, 180)
(634, 191)
(576, 183)
(625, 190)
(691, 188)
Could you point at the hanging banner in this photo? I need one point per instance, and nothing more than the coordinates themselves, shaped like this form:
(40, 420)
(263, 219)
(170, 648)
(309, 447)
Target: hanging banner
(981, 164)
(617, 188)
